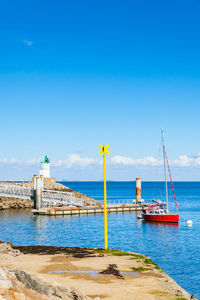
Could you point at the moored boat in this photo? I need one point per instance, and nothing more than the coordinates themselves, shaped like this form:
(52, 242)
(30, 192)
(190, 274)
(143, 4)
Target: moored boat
(159, 212)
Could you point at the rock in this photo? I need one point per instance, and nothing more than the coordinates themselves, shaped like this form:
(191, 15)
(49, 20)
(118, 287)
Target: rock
(76, 296)
(19, 296)
(2, 274)
(179, 293)
(6, 203)
(5, 284)
(6, 248)
(18, 285)
(112, 270)
(30, 283)
(14, 295)
(66, 294)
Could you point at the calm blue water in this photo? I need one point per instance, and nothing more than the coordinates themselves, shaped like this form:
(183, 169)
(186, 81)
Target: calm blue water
(175, 248)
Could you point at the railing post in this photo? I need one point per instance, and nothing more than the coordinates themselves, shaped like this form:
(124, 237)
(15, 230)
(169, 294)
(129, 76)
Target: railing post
(34, 190)
(138, 190)
(38, 192)
(42, 181)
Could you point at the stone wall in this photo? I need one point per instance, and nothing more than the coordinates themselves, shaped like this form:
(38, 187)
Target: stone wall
(8, 203)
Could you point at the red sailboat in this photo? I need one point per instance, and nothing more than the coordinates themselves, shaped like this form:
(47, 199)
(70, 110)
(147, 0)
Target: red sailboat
(159, 212)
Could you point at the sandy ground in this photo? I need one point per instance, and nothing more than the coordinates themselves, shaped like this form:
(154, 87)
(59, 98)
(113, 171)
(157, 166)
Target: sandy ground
(146, 281)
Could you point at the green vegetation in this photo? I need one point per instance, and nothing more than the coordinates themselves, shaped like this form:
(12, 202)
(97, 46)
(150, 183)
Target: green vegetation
(149, 261)
(113, 252)
(140, 258)
(119, 253)
(137, 256)
(177, 298)
(140, 269)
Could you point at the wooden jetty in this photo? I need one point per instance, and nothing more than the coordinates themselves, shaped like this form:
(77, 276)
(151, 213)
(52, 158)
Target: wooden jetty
(86, 210)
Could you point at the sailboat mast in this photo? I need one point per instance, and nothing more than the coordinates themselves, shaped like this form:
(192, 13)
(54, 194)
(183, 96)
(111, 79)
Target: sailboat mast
(165, 170)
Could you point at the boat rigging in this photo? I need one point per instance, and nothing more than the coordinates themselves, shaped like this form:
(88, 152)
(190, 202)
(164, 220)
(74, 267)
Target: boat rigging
(159, 212)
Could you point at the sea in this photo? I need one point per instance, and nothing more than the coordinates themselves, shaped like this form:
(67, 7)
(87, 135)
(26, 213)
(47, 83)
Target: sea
(174, 247)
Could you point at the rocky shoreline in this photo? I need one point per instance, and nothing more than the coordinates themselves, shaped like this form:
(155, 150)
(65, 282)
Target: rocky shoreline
(16, 203)
(19, 285)
(53, 273)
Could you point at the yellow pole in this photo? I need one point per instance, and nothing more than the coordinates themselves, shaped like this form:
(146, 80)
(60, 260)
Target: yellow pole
(104, 151)
(105, 205)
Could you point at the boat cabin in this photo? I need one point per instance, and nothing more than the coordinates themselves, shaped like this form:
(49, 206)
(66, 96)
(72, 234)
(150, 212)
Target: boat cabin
(157, 212)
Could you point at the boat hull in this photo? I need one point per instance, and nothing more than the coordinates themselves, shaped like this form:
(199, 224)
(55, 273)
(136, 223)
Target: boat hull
(169, 218)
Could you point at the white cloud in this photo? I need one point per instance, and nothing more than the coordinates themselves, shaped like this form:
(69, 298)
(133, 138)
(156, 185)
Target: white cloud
(71, 161)
(187, 161)
(128, 161)
(57, 163)
(11, 161)
(122, 160)
(32, 162)
(28, 43)
(75, 160)
(181, 161)
(14, 161)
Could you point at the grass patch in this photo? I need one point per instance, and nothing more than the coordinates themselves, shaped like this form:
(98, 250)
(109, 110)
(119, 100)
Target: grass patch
(112, 252)
(119, 253)
(140, 269)
(159, 293)
(149, 261)
(177, 298)
(137, 256)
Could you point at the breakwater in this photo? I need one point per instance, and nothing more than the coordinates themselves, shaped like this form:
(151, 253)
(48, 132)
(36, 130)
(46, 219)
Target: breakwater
(47, 272)
(18, 203)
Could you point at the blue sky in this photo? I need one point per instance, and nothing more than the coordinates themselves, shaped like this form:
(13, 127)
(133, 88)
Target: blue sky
(76, 74)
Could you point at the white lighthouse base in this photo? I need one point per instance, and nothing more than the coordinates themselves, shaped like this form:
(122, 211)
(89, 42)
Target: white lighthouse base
(45, 170)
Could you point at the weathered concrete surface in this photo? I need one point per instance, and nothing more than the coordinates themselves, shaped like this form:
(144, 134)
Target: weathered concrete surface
(120, 275)
(8, 203)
